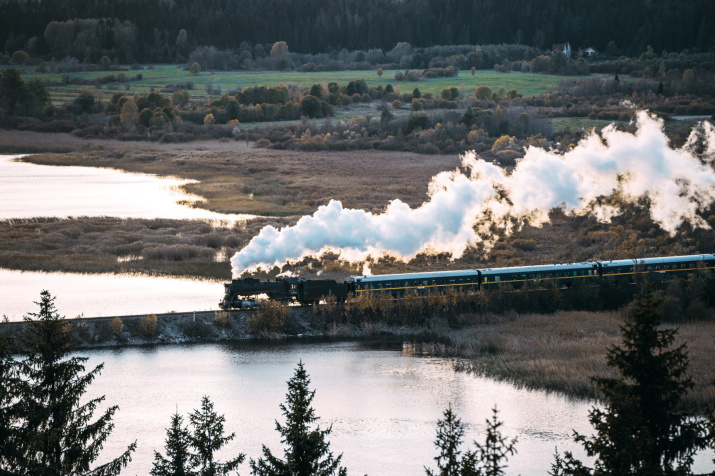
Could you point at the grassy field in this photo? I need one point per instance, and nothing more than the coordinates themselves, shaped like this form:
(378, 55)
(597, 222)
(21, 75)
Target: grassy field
(158, 76)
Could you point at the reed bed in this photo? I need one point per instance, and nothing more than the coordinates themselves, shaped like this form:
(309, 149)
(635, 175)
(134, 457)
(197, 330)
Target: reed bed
(561, 352)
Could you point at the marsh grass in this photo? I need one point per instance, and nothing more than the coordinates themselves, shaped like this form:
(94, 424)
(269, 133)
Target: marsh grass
(561, 352)
(98, 245)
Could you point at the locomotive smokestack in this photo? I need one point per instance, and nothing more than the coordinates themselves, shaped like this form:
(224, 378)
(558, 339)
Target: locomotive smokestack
(677, 183)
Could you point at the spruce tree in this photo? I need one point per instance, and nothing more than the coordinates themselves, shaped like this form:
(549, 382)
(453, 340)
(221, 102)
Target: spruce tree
(59, 436)
(178, 458)
(485, 460)
(640, 431)
(488, 459)
(11, 434)
(450, 431)
(307, 452)
(207, 438)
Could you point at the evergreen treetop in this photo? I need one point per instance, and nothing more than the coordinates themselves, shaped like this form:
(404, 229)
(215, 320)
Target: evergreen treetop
(178, 458)
(307, 452)
(641, 431)
(450, 431)
(207, 438)
(57, 434)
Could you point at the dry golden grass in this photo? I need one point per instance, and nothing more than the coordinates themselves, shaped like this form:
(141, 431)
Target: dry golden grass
(97, 245)
(562, 351)
(236, 179)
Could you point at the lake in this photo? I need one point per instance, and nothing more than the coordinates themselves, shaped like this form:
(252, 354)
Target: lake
(29, 190)
(383, 405)
(97, 295)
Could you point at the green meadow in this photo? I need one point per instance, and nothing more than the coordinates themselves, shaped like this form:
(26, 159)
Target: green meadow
(156, 77)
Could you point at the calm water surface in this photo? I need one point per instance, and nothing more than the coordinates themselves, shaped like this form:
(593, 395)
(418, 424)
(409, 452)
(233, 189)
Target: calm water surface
(96, 295)
(383, 405)
(29, 190)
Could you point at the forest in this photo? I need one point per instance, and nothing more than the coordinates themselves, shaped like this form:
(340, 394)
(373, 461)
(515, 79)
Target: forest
(163, 31)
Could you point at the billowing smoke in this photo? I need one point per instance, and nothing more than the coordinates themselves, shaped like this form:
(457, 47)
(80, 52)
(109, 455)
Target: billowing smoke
(677, 183)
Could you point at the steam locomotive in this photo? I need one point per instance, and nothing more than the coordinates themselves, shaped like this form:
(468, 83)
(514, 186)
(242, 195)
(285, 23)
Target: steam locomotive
(242, 293)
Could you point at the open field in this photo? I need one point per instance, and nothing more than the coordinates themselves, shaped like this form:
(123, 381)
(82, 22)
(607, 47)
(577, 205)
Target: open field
(156, 77)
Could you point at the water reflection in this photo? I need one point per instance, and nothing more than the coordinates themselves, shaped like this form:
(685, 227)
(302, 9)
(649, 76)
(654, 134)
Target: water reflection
(383, 406)
(29, 190)
(95, 295)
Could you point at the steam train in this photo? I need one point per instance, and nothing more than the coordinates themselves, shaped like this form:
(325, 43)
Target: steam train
(242, 293)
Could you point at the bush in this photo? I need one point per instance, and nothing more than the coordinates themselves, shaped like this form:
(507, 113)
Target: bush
(117, 326)
(269, 318)
(149, 326)
(221, 319)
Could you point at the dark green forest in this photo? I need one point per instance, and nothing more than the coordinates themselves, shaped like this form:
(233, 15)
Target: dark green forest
(168, 30)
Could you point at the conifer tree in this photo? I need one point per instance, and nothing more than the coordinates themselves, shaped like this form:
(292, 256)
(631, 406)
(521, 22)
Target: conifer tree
(488, 459)
(485, 460)
(307, 452)
(11, 387)
(207, 437)
(178, 458)
(450, 431)
(640, 431)
(59, 436)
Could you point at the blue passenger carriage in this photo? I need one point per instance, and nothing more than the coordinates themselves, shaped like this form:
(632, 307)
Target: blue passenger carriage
(626, 269)
(398, 284)
(561, 275)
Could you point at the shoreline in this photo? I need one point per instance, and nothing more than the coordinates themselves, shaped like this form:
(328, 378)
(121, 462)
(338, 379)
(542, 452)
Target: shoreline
(558, 352)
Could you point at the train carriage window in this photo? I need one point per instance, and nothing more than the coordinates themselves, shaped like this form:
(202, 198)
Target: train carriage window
(496, 278)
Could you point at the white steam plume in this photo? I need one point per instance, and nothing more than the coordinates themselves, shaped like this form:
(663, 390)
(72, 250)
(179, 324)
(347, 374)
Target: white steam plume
(676, 182)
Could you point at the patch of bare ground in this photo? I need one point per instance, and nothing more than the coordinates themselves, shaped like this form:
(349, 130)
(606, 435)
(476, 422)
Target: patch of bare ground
(560, 352)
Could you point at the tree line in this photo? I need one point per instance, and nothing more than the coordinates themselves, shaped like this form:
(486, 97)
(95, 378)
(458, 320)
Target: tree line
(639, 430)
(162, 31)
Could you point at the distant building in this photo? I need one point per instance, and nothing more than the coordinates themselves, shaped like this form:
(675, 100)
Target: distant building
(589, 51)
(564, 48)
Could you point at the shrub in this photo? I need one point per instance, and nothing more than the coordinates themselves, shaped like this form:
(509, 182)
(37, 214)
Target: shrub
(221, 318)
(117, 326)
(270, 317)
(149, 326)
(483, 92)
